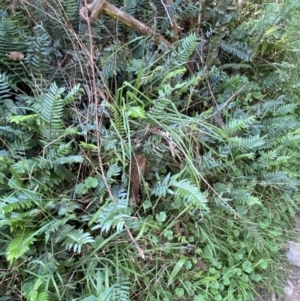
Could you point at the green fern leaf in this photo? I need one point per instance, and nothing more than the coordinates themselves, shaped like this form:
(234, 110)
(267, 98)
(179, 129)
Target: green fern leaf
(76, 239)
(187, 47)
(113, 171)
(52, 107)
(39, 51)
(72, 95)
(122, 291)
(113, 215)
(42, 296)
(246, 144)
(239, 50)
(136, 112)
(161, 187)
(34, 290)
(190, 193)
(21, 201)
(20, 244)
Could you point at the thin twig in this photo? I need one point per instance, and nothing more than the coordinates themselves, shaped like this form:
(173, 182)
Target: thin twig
(200, 12)
(141, 252)
(167, 11)
(95, 97)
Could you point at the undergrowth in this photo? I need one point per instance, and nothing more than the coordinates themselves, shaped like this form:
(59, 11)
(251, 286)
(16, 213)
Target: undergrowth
(131, 170)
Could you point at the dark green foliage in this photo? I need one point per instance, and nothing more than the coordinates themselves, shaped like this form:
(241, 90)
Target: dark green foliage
(38, 56)
(12, 38)
(213, 118)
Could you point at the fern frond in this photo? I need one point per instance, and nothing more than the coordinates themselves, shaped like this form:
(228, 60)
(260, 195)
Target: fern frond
(136, 112)
(76, 239)
(117, 120)
(70, 10)
(113, 215)
(245, 144)
(239, 50)
(52, 106)
(161, 187)
(17, 220)
(186, 48)
(184, 86)
(234, 66)
(68, 160)
(20, 201)
(34, 290)
(245, 197)
(101, 189)
(238, 124)
(271, 81)
(190, 193)
(113, 171)
(20, 244)
(39, 52)
(209, 164)
(121, 291)
(5, 86)
(12, 39)
(279, 179)
(75, 92)
(57, 229)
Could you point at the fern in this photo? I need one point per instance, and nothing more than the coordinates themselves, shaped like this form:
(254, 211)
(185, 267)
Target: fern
(70, 10)
(160, 101)
(209, 164)
(113, 215)
(238, 124)
(245, 144)
(39, 52)
(186, 48)
(280, 179)
(239, 50)
(18, 201)
(5, 87)
(113, 171)
(73, 94)
(52, 106)
(271, 81)
(136, 112)
(12, 39)
(35, 290)
(76, 239)
(117, 121)
(161, 187)
(20, 244)
(190, 193)
(121, 291)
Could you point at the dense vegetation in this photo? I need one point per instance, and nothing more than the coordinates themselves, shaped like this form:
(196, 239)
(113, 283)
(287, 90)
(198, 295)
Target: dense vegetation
(132, 169)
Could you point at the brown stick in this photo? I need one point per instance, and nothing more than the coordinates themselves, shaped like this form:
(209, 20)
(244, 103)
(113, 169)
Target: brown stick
(96, 9)
(97, 6)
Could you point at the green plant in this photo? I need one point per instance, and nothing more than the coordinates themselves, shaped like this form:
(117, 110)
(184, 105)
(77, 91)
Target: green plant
(197, 128)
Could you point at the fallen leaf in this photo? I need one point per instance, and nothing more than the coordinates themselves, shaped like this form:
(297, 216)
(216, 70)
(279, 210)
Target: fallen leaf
(201, 265)
(15, 55)
(138, 167)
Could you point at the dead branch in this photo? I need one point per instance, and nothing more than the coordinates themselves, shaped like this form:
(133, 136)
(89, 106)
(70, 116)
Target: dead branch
(92, 11)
